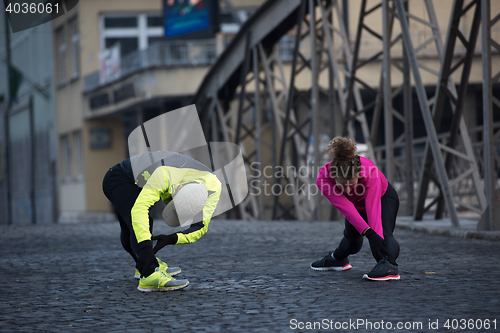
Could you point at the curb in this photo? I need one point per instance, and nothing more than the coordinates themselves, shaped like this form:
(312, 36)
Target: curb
(451, 232)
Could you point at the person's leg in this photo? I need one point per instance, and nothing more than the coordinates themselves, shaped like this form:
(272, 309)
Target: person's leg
(338, 260)
(386, 269)
(122, 193)
(390, 207)
(351, 243)
(125, 237)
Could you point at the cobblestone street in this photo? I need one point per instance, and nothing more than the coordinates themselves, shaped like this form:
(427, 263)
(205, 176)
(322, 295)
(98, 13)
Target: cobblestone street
(244, 277)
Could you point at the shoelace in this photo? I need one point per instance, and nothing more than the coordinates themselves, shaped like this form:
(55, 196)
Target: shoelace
(329, 256)
(161, 281)
(164, 275)
(380, 263)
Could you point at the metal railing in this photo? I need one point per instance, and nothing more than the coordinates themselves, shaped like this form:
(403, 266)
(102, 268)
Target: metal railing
(187, 53)
(181, 53)
(162, 54)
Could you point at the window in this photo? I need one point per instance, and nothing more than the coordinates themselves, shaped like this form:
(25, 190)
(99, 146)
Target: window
(229, 24)
(132, 31)
(120, 22)
(226, 17)
(61, 55)
(75, 48)
(66, 158)
(127, 45)
(77, 141)
(155, 21)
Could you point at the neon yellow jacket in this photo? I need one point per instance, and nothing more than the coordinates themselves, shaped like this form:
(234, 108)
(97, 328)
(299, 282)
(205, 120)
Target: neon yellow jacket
(160, 185)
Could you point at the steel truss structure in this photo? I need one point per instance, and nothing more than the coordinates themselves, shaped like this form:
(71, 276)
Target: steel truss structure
(489, 221)
(252, 98)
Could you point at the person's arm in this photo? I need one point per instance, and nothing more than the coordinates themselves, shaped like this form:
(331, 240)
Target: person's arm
(149, 195)
(199, 229)
(338, 199)
(373, 204)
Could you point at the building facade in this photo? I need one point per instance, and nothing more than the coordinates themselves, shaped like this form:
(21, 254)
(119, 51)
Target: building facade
(96, 112)
(113, 71)
(28, 180)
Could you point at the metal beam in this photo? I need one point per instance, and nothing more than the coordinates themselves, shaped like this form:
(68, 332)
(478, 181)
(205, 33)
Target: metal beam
(408, 134)
(293, 116)
(460, 101)
(446, 90)
(489, 221)
(314, 95)
(291, 96)
(386, 74)
(426, 113)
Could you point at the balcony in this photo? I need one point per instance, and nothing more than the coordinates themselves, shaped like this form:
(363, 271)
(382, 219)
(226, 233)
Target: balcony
(181, 53)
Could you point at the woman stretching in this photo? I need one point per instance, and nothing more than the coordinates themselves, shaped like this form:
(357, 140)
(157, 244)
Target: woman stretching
(370, 204)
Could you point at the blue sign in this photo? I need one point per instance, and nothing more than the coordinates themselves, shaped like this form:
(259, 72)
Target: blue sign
(184, 17)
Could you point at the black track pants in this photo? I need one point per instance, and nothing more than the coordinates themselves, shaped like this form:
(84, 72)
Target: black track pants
(122, 192)
(352, 241)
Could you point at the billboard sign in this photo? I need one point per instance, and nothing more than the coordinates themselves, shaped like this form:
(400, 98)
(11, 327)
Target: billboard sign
(188, 19)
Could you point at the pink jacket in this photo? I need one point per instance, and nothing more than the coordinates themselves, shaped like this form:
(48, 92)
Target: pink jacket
(372, 185)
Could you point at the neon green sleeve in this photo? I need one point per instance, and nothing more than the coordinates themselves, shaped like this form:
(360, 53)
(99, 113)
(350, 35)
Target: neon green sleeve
(212, 184)
(150, 194)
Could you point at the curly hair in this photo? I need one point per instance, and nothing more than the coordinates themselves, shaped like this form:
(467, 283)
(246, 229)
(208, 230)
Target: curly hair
(345, 162)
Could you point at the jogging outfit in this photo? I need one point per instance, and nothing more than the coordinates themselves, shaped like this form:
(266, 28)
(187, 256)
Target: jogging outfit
(373, 203)
(137, 183)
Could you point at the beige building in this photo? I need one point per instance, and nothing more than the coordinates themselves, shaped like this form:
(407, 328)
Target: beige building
(95, 114)
(94, 117)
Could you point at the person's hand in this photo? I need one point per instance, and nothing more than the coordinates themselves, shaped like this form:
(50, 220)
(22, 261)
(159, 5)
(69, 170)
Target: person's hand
(163, 240)
(145, 257)
(377, 246)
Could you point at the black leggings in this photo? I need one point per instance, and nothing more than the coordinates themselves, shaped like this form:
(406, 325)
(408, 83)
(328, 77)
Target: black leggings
(122, 192)
(352, 241)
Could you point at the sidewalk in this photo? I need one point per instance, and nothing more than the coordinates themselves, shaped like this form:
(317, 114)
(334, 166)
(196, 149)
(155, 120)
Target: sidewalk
(245, 276)
(444, 227)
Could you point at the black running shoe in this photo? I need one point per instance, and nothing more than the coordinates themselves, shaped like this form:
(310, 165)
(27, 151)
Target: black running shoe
(383, 271)
(330, 264)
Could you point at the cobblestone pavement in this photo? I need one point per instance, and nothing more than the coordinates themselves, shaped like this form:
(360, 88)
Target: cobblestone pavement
(244, 277)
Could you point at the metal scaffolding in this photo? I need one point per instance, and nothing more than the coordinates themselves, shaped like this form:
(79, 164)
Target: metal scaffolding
(252, 98)
(446, 91)
(489, 221)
